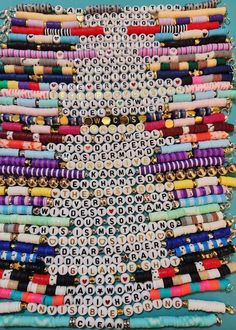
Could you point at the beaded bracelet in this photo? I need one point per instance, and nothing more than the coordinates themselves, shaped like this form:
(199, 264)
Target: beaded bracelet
(194, 277)
(66, 321)
(182, 269)
(185, 289)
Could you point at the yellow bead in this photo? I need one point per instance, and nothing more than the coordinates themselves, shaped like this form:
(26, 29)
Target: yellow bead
(228, 181)
(45, 192)
(184, 184)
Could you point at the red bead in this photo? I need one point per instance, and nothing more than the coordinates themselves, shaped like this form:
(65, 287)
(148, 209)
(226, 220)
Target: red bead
(41, 279)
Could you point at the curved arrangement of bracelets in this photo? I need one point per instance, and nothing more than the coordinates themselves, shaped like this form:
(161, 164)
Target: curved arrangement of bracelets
(116, 168)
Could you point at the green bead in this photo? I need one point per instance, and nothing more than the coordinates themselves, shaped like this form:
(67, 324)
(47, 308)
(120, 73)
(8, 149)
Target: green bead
(3, 84)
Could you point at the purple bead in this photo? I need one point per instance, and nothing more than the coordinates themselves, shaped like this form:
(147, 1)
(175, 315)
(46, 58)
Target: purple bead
(18, 21)
(8, 160)
(217, 17)
(181, 165)
(47, 163)
(53, 25)
(183, 20)
(23, 85)
(38, 172)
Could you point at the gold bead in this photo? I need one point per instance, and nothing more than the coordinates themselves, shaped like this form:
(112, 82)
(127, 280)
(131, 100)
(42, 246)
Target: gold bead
(180, 175)
(170, 176)
(50, 202)
(231, 168)
(160, 177)
(53, 183)
(32, 182)
(64, 183)
(2, 181)
(43, 182)
(211, 171)
(201, 172)
(11, 181)
(22, 181)
(191, 174)
(222, 170)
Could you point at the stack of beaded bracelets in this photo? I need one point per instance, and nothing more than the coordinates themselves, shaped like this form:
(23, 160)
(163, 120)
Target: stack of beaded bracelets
(115, 165)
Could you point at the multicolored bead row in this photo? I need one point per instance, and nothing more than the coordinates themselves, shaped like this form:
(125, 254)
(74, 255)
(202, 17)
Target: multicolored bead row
(115, 166)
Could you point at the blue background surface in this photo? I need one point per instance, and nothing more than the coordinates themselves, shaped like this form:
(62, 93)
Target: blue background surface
(228, 298)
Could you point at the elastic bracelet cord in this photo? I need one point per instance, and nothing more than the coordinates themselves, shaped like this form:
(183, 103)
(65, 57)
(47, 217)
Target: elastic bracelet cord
(151, 275)
(189, 288)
